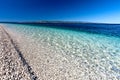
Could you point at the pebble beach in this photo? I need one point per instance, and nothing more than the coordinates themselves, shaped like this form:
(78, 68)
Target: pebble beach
(12, 64)
(46, 53)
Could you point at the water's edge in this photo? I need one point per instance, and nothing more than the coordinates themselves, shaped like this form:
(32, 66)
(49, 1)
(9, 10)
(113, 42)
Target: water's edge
(20, 55)
(65, 54)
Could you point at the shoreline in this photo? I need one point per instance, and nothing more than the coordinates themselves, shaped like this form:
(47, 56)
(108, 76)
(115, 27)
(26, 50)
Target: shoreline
(55, 54)
(13, 65)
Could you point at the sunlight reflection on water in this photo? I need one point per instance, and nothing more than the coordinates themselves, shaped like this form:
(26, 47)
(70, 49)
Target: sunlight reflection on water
(94, 56)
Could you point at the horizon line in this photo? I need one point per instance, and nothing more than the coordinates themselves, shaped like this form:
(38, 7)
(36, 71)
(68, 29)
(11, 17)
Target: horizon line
(58, 21)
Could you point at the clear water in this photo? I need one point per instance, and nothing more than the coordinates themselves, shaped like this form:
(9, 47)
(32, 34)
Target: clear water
(88, 56)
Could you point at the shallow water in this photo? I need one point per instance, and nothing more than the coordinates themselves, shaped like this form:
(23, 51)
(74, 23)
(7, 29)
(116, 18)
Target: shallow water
(64, 54)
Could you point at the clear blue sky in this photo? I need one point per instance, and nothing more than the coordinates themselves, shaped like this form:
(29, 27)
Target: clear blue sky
(107, 11)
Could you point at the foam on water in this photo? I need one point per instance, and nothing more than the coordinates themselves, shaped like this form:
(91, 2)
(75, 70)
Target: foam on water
(65, 54)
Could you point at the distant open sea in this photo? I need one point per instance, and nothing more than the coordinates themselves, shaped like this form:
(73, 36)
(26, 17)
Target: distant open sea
(92, 50)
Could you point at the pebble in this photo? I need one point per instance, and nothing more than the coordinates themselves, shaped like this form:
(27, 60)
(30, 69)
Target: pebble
(11, 67)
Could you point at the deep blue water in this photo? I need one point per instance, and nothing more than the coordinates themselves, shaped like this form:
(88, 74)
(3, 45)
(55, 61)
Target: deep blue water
(104, 29)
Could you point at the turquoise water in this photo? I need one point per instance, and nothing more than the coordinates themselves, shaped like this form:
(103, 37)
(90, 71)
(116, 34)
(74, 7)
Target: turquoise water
(96, 55)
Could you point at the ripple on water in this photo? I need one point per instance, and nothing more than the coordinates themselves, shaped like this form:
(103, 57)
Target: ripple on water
(86, 56)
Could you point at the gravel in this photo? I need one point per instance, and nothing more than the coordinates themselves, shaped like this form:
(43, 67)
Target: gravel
(12, 64)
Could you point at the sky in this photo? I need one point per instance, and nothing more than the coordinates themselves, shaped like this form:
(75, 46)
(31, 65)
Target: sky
(100, 11)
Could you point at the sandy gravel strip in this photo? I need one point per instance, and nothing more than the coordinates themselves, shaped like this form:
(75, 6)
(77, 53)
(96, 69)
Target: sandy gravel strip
(12, 64)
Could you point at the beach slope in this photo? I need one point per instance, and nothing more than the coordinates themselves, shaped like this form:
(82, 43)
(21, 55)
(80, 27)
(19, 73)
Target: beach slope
(12, 65)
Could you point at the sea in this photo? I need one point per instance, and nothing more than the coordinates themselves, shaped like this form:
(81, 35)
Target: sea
(66, 51)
